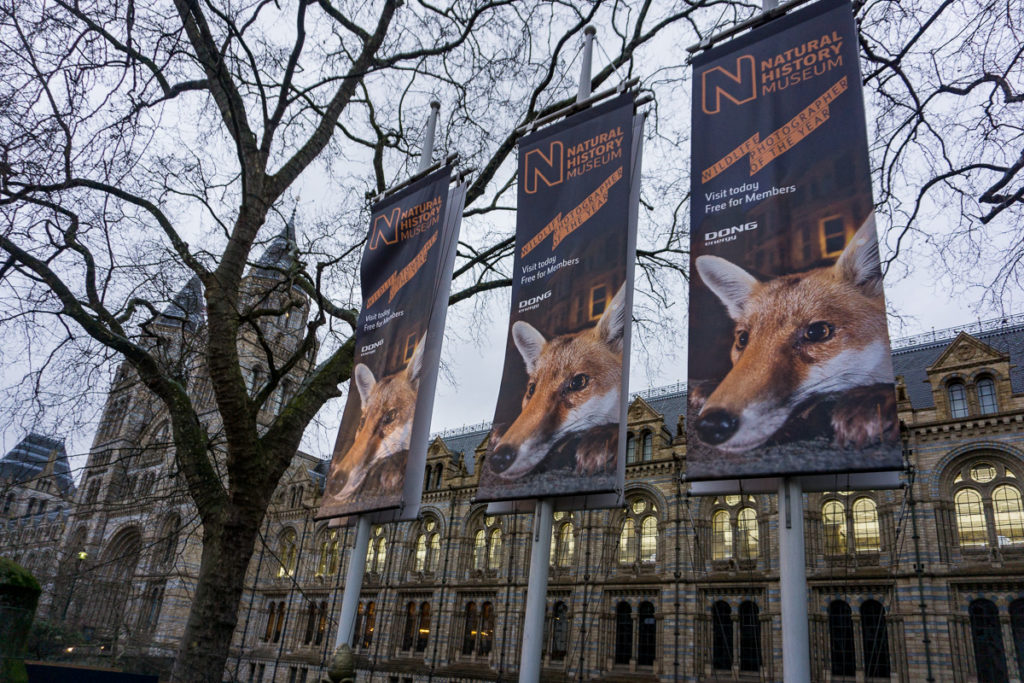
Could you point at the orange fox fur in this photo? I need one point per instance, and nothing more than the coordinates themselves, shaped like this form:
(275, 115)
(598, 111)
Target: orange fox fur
(573, 390)
(798, 337)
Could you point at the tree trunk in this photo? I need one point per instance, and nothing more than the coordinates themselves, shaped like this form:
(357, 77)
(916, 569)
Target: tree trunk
(227, 549)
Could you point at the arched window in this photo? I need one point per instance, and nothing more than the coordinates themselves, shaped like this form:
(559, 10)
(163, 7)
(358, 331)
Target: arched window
(865, 526)
(487, 544)
(559, 631)
(833, 519)
(987, 402)
(287, 553)
(1009, 515)
(279, 624)
(646, 634)
(840, 632)
(987, 637)
(377, 551)
(327, 563)
(563, 540)
(321, 628)
(486, 628)
(411, 622)
(746, 528)
(423, 633)
(357, 630)
(876, 639)
(480, 549)
(640, 517)
(630, 448)
(271, 618)
(627, 542)
(494, 549)
(169, 541)
(970, 519)
(368, 623)
(623, 633)
(311, 613)
(648, 447)
(957, 399)
(1017, 629)
(428, 547)
(750, 637)
(471, 628)
(721, 635)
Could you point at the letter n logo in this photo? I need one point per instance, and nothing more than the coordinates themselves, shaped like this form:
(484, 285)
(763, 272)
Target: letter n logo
(737, 86)
(545, 167)
(385, 228)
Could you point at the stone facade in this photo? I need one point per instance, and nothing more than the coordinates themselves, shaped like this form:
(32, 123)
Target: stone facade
(671, 587)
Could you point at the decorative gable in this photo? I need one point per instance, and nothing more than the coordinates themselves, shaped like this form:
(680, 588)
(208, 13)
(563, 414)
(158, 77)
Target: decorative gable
(965, 353)
(640, 411)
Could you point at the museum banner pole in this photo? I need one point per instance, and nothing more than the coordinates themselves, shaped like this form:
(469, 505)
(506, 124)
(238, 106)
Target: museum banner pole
(357, 562)
(543, 512)
(796, 655)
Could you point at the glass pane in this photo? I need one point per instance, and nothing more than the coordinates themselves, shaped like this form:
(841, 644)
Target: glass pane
(469, 637)
(721, 639)
(649, 540)
(987, 396)
(567, 546)
(1009, 515)
(733, 500)
(623, 633)
(639, 506)
(646, 635)
(833, 518)
(840, 629)
(957, 400)
(721, 536)
(627, 542)
(876, 640)
(479, 549)
(746, 526)
(421, 552)
(750, 637)
(987, 638)
(865, 526)
(494, 559)
(970, 519)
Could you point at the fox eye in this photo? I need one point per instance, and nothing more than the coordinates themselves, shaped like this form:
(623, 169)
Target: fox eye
(741, 339)
(389, 417)
(579, 381)
(819, 331)
(532, 387)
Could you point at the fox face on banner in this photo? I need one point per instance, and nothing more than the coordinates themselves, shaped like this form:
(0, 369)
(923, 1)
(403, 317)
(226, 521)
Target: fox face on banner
(790, 368)
(557, 422)
(400, 270)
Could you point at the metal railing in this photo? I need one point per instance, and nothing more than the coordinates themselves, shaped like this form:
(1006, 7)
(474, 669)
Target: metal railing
(936, 336)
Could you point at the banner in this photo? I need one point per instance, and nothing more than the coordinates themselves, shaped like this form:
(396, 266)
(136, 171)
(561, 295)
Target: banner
(559, 423)
(406, 272)
(790, 370)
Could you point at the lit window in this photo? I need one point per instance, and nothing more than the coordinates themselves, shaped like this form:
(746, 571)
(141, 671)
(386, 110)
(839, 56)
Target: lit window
(970, 519)
(1009, 515)
(480, 549)
(630, 448)
(833, 518)
(983, 473)
(627, 541)
(494, 549)
(598, 301)
(833, 235)
(746, 526)
(638, 535)
(865, 526)
(957, 399)
(649, 540)
(721, 536)
(987, 396)
(287, 554)
(421, 552)
(648, 452)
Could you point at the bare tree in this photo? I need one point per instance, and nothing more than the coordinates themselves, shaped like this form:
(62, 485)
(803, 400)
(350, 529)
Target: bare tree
(143, 145)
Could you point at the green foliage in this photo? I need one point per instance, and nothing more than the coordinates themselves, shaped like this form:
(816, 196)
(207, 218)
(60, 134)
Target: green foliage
(49, 641)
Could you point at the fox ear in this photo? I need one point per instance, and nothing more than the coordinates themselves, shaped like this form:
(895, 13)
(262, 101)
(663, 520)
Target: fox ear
(859, 263)
(730, 283)
(416, 362)
(612, 324)
(365, 382)
(530, 343)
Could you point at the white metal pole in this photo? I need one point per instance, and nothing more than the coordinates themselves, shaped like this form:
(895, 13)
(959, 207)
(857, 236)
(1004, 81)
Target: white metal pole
(428, 138)
(536, 593)
(588, 52)
(353, 583)
(796, 654)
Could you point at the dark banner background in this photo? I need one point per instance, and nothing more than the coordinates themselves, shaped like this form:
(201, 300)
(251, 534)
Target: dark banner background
(576, 295)
(807, 203)
(388, 331)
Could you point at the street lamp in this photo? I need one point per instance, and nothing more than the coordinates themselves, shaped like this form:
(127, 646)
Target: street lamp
(71, 588)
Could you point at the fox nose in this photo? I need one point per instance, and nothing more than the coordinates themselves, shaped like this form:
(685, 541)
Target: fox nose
(502, 458)
(717, 426)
